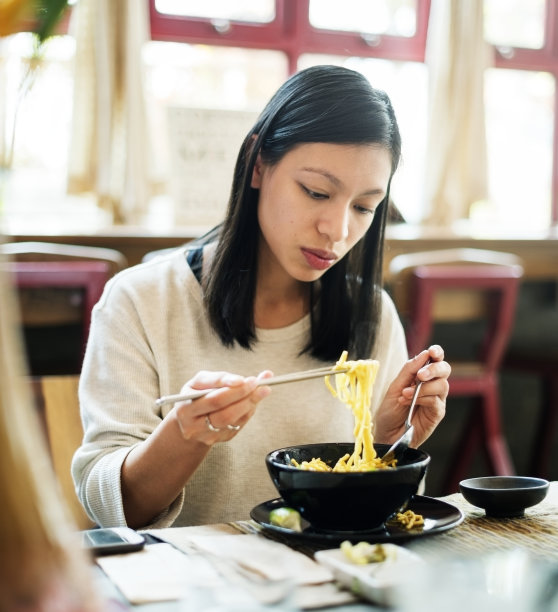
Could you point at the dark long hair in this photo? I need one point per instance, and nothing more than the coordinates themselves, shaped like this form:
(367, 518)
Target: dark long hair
(326, 104)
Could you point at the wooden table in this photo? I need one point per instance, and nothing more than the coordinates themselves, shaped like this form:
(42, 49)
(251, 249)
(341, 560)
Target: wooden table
(477, 539)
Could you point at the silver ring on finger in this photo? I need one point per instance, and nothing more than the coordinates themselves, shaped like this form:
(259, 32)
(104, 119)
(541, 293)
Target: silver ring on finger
(210, 425)
(233, 427)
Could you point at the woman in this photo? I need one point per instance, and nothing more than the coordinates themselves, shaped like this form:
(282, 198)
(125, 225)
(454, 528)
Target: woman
(289, 280)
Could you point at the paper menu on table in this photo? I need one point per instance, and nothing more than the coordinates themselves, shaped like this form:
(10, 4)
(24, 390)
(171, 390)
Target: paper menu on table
(159, 572)
(265, 557)
(162, 572)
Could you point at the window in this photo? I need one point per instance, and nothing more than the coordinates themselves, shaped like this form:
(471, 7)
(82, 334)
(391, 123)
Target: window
(397, 79)
(220, 10)
(33, 191)
(233, 55)
(292, 31)
(521, 110)
(515, 23)
(207, 97)
(391, 56)
(370, 18)
(385, 39)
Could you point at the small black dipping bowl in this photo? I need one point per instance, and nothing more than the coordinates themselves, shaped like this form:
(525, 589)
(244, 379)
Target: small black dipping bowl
(345, 501)
(504, 496)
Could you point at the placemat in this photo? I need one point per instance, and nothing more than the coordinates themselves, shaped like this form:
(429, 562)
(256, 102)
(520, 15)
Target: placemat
(233, 552)
(535, 532)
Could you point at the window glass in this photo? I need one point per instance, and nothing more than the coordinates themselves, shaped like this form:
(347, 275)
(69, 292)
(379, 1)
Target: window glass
(218, 77)
(33, 190)
(259, 11)
(519, 117)
(515, 23)
(394, 17)
(206, 99)
(43, 107)
(406, 85)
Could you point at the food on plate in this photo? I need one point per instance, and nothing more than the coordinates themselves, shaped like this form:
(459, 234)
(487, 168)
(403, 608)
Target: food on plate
(409, 519)
(285, 517)
(354, 388)
(380, 582)
(363, 552)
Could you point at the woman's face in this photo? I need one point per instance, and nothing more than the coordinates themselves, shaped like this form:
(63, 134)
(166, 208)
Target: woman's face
(316, 204)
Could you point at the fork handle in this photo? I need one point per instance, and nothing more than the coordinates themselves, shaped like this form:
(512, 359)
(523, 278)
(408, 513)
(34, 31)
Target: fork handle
(414, 400)
(412, 406)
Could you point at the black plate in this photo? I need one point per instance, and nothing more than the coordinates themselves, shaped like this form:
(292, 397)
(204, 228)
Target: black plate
(438, 516)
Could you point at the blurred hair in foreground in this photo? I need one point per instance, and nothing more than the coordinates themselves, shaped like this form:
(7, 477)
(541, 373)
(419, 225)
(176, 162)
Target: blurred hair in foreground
(42, 567)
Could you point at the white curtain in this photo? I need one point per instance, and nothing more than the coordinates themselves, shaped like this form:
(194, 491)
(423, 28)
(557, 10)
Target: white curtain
(111, 140)
(456, 164)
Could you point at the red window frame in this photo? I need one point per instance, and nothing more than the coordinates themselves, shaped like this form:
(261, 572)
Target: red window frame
(292, 33)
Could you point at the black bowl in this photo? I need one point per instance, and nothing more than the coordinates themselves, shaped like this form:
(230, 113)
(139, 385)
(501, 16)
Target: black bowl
(504, 496)
(345, 501)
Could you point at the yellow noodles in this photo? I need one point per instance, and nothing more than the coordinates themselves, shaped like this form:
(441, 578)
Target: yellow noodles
(354, 389)
(409, 519)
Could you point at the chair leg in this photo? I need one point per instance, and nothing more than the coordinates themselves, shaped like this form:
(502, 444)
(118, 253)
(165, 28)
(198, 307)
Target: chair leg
(463, 454)
(546, 428)
(495, 445)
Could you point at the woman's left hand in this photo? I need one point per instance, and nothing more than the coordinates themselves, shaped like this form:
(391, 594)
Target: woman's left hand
(430, 407)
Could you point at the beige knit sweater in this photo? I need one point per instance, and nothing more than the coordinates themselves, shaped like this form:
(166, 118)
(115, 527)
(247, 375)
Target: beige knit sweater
(149, 335)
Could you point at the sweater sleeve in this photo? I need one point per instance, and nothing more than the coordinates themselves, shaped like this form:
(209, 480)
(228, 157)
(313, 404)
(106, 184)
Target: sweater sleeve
(118, 384)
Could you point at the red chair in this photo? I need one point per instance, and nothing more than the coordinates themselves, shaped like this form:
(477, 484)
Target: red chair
(51, 251)
(81, 282)
(478, 289)
(57, 287)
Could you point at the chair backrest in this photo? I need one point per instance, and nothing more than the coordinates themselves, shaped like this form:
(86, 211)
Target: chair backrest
(401, 268)
(58, 285)
(85, 280)
(458, 286)
(50, 251)
(56, 399)
(495, 290)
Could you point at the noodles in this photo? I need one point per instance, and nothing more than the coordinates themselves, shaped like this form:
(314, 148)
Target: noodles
(409, 519)
(354, 388)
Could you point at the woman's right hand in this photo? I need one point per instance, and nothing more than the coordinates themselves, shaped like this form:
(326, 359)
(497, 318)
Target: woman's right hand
(155, 472)
(221, 414)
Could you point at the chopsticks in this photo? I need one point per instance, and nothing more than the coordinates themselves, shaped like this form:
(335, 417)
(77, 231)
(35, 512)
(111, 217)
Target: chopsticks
(274, 380)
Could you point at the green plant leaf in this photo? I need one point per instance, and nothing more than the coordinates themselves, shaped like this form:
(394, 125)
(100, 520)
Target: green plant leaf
(48, 14)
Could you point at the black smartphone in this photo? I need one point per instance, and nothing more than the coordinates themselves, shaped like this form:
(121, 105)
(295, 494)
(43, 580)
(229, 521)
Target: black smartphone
(112, 540)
